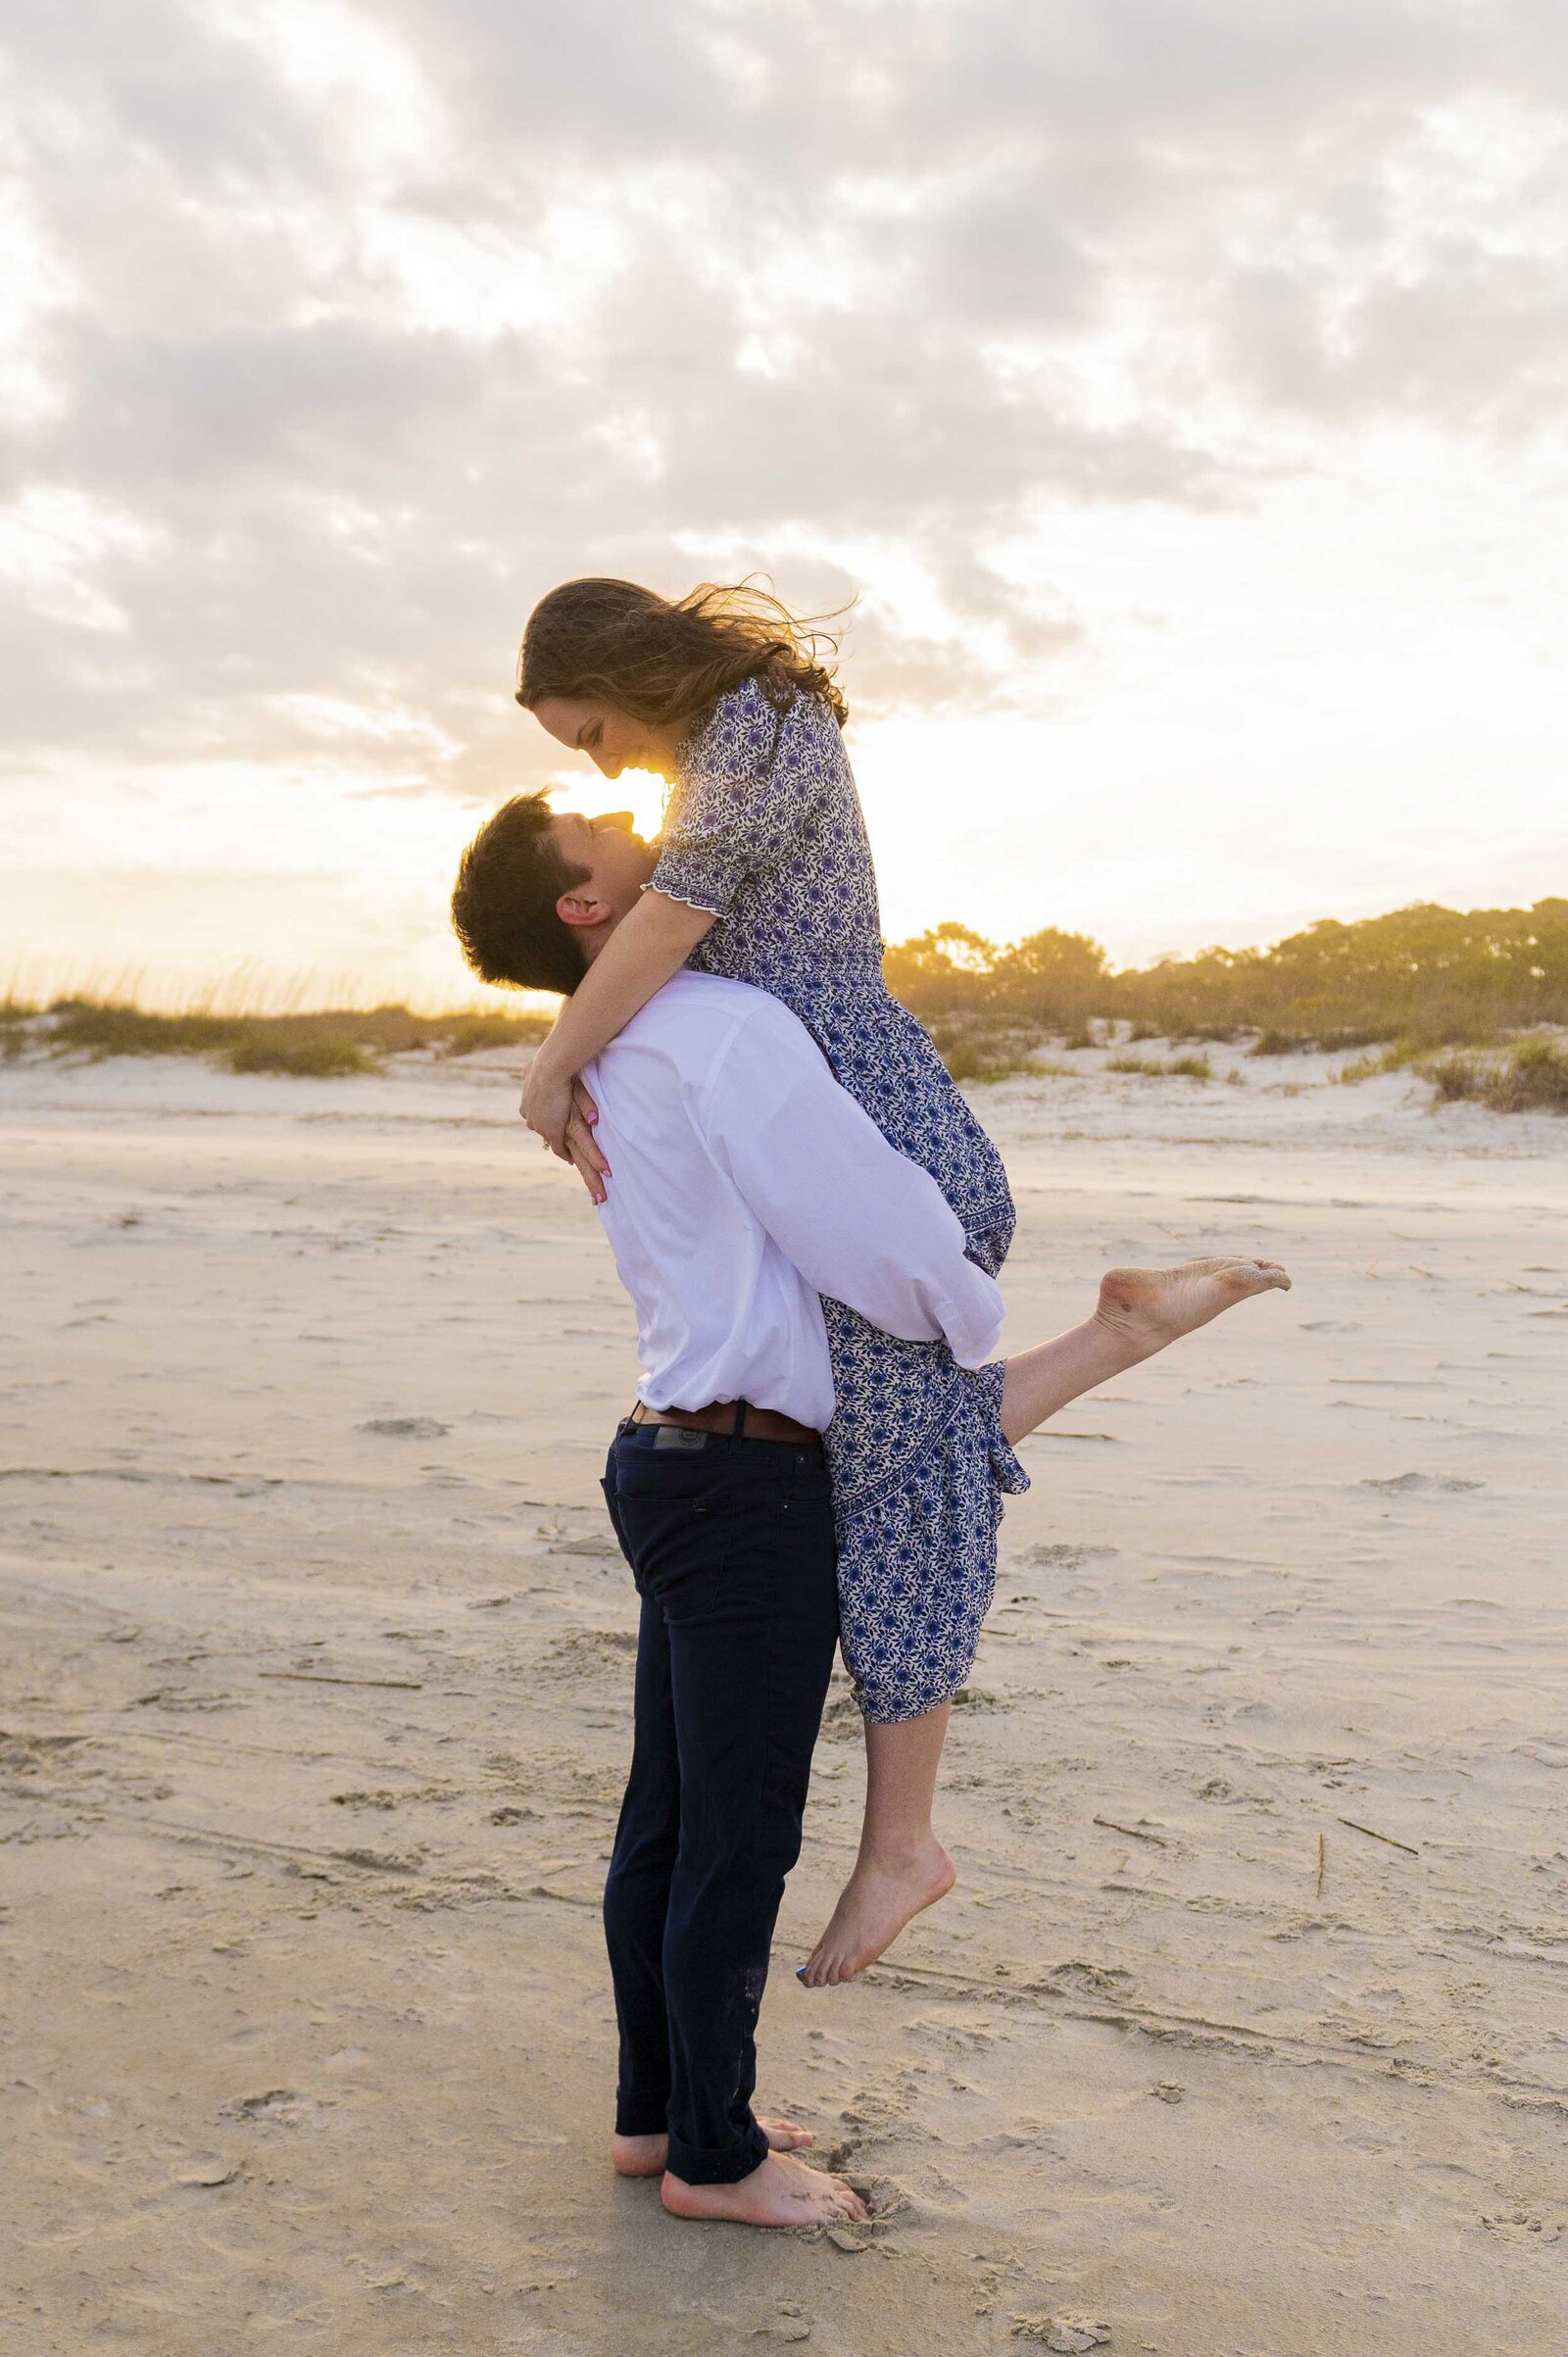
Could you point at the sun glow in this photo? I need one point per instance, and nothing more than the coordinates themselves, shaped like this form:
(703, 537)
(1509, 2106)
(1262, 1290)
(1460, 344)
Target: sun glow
(641, 791)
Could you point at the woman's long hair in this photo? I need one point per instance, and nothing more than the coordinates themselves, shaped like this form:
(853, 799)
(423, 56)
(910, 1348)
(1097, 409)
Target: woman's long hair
(665, 662)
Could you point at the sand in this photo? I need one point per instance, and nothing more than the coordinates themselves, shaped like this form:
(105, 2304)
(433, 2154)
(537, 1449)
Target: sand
(1245, 2031)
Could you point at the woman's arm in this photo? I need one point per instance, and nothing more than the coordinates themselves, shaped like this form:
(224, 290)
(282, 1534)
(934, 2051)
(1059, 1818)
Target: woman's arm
(649, 946)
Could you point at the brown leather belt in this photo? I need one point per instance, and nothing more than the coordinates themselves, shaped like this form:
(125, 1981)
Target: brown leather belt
(736, 1417)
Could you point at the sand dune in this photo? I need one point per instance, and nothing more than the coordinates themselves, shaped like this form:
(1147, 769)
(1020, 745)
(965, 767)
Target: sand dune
(1245, 2031)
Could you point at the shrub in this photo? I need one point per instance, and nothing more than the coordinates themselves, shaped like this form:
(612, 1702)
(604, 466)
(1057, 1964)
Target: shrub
(968, 1063)
(1184, 1067)
(1534, 1080)
(1278, 1043)
(111, 1027)
(1392, 1058)
(323, 1058)
(1454, 1077)
(470, 1033)
(1332, 1042)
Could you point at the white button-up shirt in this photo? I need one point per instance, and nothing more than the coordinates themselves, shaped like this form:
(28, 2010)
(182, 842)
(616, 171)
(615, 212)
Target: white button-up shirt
(746, 1183)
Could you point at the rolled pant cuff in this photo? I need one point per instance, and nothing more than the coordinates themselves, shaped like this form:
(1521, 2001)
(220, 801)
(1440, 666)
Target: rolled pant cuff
(725, 2166)
(640, 2114)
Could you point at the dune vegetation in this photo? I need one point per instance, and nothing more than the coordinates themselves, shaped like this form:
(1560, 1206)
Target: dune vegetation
(1461, 999)
(1404, 986)
(314, 1046)
(1424, 973)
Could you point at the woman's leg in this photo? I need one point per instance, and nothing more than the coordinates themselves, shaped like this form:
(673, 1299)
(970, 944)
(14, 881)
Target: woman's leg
(1140, 1310)
(902, 1867)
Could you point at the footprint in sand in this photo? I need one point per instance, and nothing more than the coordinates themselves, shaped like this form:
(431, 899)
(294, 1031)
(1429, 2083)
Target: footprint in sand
(1060, 1556)
(277, 2106)
(1403, 1484)
(209, 2172)
(584, 1651)
(960, 2037)
(406, 1428)
(1064, 2334)
(789, 2322)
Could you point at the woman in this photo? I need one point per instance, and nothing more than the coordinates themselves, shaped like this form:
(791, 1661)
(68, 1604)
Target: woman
(765, 875)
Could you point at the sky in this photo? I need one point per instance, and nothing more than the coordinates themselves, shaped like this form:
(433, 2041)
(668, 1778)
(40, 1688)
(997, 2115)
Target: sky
(1177, 386)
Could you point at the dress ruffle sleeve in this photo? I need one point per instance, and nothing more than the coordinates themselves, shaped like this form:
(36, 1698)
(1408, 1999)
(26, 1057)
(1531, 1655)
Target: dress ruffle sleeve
(748, 781)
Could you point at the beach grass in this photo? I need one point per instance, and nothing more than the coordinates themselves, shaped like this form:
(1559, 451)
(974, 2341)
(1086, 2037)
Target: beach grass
(1148, 1067)
(313, 1045)
(1464, 1056)
(322, 1059)
(967, 1064)
(1508, 1076)
(1531, 1079)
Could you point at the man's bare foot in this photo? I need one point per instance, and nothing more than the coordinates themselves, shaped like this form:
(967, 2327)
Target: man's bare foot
(648, 2156)
(781, 2192)
(875, 1905)
(1149, 1307)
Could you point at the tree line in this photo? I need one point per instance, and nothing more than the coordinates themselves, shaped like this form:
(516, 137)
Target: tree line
(1422, 972)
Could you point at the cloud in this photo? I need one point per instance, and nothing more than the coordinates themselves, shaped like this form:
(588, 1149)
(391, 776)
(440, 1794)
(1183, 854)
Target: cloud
(353, 331)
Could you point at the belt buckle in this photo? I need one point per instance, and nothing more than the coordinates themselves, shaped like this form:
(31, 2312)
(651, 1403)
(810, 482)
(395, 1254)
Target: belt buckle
(678, 1436)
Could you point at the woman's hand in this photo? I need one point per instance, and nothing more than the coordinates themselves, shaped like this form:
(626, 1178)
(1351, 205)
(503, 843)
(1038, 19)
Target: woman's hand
(547, 1101)
(559, 1111)
(582, 1150)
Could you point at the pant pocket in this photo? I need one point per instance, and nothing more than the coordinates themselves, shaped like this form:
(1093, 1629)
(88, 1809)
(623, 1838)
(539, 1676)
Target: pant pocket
(613, 1509)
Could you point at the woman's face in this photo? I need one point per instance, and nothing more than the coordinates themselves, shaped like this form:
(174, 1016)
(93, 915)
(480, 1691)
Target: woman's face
(613, 740)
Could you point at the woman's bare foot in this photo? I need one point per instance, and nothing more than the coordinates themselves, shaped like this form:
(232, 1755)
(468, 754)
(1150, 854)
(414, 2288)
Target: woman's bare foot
(648, 2156)
(781, 2192)
(876, 1902)
(1148, 1307)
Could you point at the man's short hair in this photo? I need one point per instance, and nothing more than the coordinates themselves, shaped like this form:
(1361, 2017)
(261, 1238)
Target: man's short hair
(503, 902)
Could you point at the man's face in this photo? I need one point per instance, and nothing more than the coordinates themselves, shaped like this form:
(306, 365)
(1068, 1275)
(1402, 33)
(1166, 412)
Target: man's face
(619, 863)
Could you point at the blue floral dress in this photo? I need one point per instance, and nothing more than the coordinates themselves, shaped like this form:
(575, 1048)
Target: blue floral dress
(765, 828)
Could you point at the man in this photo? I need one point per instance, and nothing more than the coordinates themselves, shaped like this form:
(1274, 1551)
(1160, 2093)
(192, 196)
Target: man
(745, 1183)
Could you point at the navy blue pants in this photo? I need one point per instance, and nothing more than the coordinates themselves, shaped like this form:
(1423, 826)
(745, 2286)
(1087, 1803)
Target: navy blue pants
(730, 1542)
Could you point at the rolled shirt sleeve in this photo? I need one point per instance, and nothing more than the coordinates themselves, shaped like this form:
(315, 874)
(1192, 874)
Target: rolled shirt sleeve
(741, 799)
(861, 1224)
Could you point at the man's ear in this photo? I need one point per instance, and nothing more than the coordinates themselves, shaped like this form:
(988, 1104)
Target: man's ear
(583, 905)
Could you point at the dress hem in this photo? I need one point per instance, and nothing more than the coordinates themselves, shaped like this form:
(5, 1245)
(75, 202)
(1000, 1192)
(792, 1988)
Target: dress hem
(706, 907)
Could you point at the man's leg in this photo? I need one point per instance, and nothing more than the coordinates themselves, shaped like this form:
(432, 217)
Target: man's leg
(636, 1902)
(902, 1867)
(745, 1574)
